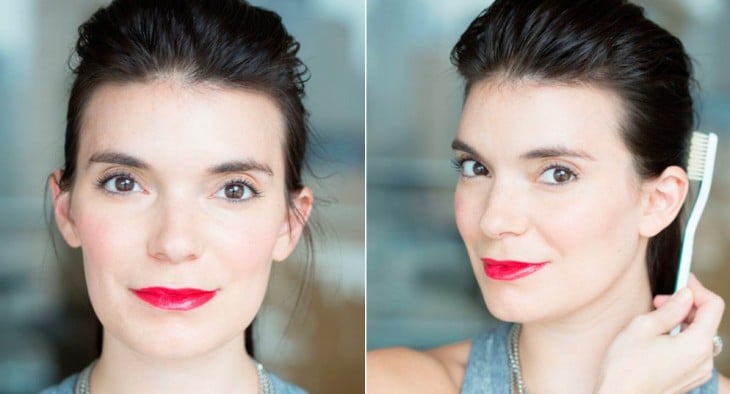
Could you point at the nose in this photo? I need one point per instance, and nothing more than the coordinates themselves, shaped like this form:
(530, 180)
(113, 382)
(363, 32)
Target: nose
(503, 213)
(174, 237)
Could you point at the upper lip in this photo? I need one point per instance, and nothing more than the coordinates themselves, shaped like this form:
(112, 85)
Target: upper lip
(491, 261)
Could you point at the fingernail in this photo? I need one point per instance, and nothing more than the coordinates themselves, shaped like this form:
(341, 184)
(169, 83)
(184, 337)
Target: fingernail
(683, 296)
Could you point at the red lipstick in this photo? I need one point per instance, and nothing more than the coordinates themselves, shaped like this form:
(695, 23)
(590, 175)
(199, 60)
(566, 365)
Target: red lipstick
(509, 270)
(174, 299)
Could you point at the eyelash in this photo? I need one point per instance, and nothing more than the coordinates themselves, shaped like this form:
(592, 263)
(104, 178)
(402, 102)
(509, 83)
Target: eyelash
(560, 166)
(102, 180)
(458, 163)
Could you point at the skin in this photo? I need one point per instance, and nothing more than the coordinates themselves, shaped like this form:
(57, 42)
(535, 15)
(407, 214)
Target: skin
(545, 177)
(178, 221)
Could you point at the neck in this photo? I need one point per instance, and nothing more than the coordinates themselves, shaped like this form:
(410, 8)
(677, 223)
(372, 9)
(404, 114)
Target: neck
(572, 348)
(227, 369)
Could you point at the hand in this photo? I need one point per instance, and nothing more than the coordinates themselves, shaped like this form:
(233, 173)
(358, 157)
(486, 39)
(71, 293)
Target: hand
(645, 359)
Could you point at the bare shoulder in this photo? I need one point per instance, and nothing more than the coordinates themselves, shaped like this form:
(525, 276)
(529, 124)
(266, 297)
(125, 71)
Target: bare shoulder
(723, 384)
(438, 370)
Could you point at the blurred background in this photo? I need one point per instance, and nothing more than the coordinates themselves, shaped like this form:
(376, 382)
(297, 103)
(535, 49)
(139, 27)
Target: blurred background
(421, 289)
(47, 327)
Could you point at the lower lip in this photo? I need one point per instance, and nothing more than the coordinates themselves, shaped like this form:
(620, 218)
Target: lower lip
(510, 270)
(174, 299)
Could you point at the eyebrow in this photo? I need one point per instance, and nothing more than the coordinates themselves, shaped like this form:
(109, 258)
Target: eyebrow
(118, 158)
(458, 144)
(223, 168)
(555, 151)
(241, 166)
(537, 153)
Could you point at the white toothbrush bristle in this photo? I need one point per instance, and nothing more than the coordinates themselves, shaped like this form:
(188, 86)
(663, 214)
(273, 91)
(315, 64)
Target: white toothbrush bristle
(697, 156)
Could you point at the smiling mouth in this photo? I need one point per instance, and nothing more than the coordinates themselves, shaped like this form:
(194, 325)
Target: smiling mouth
(508, 270)
(174, 299)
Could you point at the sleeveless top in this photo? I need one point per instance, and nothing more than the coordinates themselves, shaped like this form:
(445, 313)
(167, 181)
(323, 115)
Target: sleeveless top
(278, 385)
(488, 368)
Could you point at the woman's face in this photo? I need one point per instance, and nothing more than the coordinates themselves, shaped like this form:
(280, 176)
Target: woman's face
(179, 208)
(546, 180)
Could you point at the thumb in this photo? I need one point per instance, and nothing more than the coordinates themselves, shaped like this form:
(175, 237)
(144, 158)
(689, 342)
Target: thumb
(671, 312)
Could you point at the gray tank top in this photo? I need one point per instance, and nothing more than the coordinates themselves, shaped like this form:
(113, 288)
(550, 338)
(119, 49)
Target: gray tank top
(488, 368)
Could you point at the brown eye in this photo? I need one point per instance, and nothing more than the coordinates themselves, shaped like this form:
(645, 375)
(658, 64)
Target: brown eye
(470, 168)
(557, 175)
(561, 175)
(480, 169)
(124, 184)
(237, 191)
(120, 184)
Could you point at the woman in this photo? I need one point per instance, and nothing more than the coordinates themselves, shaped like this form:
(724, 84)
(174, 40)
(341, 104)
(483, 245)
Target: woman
(184, 145)
(571, 151)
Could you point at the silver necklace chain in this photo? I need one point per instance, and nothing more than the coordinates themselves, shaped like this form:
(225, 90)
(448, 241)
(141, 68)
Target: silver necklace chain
(265, 386)
(513, 350)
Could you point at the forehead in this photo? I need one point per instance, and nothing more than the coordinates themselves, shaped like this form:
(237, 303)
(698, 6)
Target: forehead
(519, 116)
(170, 122)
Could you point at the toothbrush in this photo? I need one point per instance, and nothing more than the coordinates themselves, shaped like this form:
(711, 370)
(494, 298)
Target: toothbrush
(700, 166)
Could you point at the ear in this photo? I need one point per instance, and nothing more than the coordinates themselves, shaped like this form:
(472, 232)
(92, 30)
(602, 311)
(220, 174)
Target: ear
(294, 223)
(61, 210)
(662, 200)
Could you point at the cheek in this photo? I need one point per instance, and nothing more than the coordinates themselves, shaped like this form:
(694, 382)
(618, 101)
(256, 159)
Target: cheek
(106, 239)
(242, 252)
(244, 247)
(466, 213)
(110, 247)
(244, 243)
(600, 226)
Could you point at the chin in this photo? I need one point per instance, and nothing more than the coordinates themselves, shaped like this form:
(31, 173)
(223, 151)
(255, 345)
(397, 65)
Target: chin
(505, 312)
(178, 347)
(512, 306)
(173, 339)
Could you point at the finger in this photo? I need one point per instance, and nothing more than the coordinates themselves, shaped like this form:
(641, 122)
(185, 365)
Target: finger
(690, 316)
(708, 309)
(661, 299)
(672, 312)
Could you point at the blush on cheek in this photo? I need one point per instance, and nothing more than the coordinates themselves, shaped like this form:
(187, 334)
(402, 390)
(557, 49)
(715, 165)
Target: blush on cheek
(97, 234)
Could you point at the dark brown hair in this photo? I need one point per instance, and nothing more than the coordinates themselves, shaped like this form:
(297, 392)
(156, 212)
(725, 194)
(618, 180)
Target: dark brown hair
(608, 43)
